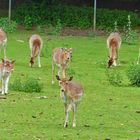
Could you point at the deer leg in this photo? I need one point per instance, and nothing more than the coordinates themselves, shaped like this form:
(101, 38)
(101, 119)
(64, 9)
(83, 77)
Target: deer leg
(115, 63)
(117, 58)
(59, 71)
(6, 84)
(74, 114)
(66, 115)
(53, 68)
(63, 72)
(67, 109)
(5, 52)
(3, 86)
(39, 64)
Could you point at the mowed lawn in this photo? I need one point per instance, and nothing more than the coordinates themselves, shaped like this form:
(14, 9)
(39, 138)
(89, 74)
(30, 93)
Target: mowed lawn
(105, 111)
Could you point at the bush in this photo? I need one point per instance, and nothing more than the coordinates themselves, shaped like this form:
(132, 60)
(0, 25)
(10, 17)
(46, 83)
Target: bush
(114, 77)
(72, 16)
(28, 15)
(130, 36)
(55, 30)
(8, 26)
(133, 74)
(106, 18)
(29, 85)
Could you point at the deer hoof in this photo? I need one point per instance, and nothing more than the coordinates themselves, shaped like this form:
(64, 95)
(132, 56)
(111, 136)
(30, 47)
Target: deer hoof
(74, 125)
(52, 82)
(65, 125)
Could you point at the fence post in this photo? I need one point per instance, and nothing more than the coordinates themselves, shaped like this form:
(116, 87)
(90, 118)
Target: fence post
(94, 20)
(9, 10)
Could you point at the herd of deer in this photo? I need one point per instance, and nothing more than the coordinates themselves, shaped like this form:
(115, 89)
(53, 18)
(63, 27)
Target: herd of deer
(70, 90)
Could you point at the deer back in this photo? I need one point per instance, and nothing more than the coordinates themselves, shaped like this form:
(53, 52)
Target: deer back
(60, 56)
(35, 43)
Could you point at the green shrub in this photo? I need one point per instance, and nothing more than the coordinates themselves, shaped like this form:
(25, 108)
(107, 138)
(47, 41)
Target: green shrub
(29, 85)
(72, 16)
(55, 30)
(28, 15)
(130, 36)
(28, 22)
(114, 77)
(8, 26)
(133, 74)
(106, 18)
(17, 85)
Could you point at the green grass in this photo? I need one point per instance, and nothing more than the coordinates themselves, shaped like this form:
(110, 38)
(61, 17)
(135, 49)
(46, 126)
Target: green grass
(104, 111)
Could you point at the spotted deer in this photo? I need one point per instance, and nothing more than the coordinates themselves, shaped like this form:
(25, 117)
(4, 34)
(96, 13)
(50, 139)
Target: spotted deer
(113, 43)
(71, 93)
(35, 44)
(3, 41)
(61, 58)
(6, 68)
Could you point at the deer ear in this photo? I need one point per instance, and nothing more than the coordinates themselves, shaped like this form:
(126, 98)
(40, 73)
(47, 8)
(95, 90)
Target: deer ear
(71, 49)
(2, 60)
(71, 78)
(58, 78)
(13, 62)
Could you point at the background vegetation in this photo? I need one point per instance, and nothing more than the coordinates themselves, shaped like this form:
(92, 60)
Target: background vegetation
(72, 16)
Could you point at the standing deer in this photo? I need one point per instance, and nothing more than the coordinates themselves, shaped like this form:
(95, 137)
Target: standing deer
(3, 41)
(6, 68)
(113, 43)
(71, 93)
(60, 57)
(35, 44)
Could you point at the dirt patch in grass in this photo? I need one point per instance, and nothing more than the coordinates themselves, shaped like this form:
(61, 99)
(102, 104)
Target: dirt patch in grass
(80, 32)
(70, 31)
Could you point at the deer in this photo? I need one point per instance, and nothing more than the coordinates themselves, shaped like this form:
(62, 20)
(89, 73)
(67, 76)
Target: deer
(61, 58)
(35, 44)
(6, 68)
(71, 93)
(3, 41)
(113, 44)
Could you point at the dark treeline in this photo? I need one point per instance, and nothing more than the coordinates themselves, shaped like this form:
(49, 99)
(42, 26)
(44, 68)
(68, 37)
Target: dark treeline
(111, 4)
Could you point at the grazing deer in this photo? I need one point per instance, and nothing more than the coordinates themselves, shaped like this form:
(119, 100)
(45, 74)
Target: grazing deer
(113, 43)
(3, 41)
(60, 57)
(71, 93)
(6, 68)
(35, 44)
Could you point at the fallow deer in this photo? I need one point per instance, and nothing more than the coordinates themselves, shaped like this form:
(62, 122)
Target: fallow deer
(60, 57)
(35, 44)
(71, 93)
(6, 68)
(3, 41)
(113, 43)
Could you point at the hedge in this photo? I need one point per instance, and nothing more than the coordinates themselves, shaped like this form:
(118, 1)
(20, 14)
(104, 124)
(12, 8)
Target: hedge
(72, 16)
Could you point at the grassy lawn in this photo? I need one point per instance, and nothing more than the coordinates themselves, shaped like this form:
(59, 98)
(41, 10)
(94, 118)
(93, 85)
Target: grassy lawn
(104, 111)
